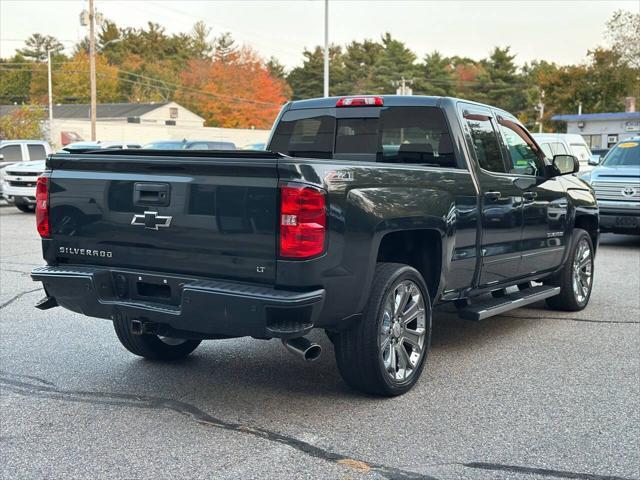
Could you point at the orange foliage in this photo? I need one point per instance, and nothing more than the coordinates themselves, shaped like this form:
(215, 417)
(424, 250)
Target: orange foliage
(234, 94)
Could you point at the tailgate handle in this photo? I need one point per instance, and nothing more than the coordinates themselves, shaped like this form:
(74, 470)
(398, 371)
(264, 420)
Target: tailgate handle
(151, 194)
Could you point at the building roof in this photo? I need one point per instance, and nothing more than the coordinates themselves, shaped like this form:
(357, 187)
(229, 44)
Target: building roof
(585, 117)
(103, 110)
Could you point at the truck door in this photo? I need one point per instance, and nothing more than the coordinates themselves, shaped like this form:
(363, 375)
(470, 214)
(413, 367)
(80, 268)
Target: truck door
(500, 199)
(544, 200)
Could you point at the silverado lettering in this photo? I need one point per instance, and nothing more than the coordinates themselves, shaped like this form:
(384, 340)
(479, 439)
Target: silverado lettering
(85, 251)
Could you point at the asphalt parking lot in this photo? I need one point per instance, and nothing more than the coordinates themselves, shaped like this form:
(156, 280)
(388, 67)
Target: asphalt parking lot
(534, 394)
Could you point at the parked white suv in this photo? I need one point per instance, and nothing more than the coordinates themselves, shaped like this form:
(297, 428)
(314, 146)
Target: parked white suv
(24, 160)
(565, 143)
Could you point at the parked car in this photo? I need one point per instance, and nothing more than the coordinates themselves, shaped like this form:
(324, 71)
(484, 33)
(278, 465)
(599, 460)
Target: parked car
(75, 146)
(22, 162)
(190, 145)
(374, 210)
(616, 182)
(565, 143)
(19, 181)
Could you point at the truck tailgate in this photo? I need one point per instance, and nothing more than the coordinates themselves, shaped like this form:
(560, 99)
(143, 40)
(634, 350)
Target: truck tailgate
(210, 215)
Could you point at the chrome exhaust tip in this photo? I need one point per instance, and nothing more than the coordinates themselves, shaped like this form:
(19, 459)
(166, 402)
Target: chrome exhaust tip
(303, 347)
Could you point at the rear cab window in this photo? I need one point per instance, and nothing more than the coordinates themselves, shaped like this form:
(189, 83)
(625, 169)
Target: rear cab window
(36, 152)
(402, 135)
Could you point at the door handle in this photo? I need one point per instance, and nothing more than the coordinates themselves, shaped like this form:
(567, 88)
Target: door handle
(492, 196)
(151, 194)
(530, 196)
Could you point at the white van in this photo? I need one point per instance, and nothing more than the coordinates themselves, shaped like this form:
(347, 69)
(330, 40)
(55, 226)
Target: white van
(571, 143)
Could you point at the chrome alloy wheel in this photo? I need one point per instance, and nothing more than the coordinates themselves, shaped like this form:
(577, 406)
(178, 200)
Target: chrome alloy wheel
(582, 271)
(403, 331)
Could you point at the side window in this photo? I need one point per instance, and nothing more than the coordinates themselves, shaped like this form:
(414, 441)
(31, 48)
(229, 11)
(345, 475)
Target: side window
(546, 148)
(581, 151)
(417, 135)
(485, 142)
(36, 152)
(559, 149)
(522, 151)
(12, 153)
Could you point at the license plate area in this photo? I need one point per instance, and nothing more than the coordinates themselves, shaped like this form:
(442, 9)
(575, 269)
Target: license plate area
(160, 289)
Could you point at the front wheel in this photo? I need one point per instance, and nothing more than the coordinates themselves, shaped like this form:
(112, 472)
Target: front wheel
(576, 277)
(384, 353)
(152, 347)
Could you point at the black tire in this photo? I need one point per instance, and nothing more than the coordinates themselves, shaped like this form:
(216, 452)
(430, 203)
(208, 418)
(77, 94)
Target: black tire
(359, 354)
(25, 207)
(569, 300)
(149, 346)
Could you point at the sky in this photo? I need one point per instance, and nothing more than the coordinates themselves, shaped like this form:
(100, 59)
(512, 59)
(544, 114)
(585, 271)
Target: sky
(558, 31)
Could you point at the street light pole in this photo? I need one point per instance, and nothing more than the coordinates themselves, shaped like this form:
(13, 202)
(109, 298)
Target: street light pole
(50, 96)
(92, 67)
(326, 48)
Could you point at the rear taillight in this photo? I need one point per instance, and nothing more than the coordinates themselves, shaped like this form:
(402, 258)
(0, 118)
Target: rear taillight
(363, 101)
(42, 207)
(303, 221)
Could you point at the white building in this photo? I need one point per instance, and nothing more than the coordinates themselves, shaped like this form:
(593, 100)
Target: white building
(602, 130)
(139, 123)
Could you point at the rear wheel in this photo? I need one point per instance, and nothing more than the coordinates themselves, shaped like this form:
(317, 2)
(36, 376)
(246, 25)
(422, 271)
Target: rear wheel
(576, 277)
(384, 353)
(152, 347)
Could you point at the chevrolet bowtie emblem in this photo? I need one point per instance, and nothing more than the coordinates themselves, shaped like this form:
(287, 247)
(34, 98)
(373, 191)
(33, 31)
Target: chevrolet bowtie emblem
(151, 220)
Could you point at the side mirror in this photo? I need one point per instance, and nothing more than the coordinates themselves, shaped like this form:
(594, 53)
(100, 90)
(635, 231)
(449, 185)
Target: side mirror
(565, 164)
(1, 157)
(594, 160)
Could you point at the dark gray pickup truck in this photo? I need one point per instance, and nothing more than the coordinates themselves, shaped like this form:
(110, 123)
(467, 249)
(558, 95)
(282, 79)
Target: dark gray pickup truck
(364, 213)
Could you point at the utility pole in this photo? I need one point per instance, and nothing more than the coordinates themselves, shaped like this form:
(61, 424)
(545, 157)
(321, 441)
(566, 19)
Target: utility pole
(50, 96)
(326, 48)
(403, 86)
(541, 110)
(92, 67)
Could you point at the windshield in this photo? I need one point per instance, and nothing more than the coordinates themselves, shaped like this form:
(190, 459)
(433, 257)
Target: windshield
(625, 154)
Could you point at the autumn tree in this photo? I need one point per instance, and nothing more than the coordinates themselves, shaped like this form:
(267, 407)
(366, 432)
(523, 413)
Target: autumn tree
(71, 80)
(15, 79)
(234, 94)
(22, 123)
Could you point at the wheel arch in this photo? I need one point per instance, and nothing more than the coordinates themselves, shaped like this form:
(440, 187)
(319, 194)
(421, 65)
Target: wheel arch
(420, 249)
